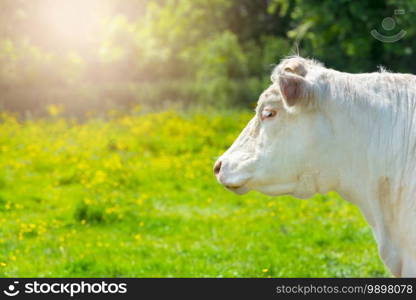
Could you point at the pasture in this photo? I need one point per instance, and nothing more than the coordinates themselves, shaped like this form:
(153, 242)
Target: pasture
(134, 196)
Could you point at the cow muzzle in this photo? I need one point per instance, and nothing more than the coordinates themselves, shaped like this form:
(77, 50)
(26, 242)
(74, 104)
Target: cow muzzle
(233, 183)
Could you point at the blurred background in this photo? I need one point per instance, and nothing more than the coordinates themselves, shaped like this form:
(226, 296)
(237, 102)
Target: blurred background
(90, 56)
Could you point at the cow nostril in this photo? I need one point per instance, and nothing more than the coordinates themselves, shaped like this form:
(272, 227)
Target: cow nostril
(217, 167)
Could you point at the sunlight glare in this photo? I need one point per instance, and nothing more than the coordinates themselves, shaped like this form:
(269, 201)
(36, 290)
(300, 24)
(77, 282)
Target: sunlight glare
(73, 21)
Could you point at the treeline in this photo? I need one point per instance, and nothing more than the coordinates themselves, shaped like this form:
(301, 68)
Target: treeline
(91, 56)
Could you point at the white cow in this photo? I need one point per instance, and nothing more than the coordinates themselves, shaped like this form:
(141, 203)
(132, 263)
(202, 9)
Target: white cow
(318, 129)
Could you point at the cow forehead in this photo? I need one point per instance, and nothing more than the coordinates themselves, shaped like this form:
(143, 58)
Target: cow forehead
(271, 96)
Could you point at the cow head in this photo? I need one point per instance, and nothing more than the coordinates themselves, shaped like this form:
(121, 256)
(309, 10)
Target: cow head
(283, 149)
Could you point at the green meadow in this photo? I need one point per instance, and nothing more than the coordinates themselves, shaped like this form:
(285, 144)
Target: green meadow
(134, 196)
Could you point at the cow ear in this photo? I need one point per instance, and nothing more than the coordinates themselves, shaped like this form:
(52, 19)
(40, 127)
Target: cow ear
(294, 89)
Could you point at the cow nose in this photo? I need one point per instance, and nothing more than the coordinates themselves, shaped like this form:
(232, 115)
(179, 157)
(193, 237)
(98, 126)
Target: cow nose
(217, 167)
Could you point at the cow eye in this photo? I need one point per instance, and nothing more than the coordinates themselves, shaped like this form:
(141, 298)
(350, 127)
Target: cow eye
(268, 113)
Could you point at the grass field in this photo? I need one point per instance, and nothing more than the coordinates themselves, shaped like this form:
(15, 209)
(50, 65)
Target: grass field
(134, 196)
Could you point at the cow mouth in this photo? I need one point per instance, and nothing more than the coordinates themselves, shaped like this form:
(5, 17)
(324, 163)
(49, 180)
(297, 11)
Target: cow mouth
(238, 189)
(238, 186)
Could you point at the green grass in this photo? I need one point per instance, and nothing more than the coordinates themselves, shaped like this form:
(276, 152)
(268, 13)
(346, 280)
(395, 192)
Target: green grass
(134, 196)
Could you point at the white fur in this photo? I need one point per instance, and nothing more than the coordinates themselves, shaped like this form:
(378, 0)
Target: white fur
(355, 134)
